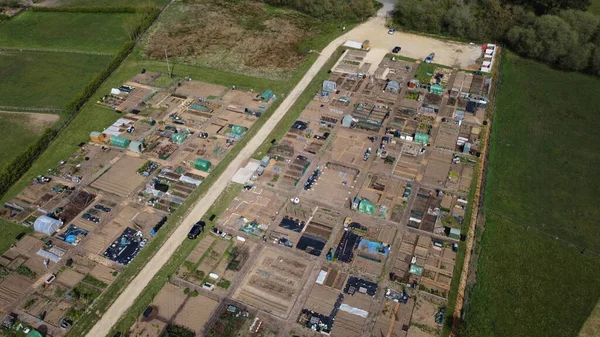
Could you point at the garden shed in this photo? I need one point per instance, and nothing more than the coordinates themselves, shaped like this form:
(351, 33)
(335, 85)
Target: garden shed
(47, 225)
(266, 96)
(366, 207)
(436, 89)
(119, 142)
(347, 121)
(455, 233)
(97, 137)
(202, 164)
(178, 138)
(137, 146)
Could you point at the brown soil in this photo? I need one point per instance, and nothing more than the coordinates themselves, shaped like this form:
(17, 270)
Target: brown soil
(238, 37)
(36, 121)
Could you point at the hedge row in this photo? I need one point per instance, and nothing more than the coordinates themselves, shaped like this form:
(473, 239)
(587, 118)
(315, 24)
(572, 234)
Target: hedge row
(12, 172)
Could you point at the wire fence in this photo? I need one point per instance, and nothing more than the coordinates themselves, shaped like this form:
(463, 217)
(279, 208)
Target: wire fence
(29, 109)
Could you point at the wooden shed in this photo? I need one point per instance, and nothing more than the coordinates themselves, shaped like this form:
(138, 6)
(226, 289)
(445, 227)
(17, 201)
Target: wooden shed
(97, 137)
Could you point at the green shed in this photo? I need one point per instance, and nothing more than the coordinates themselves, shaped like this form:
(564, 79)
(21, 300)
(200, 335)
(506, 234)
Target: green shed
(455, 233)
(436, 89)
(119, 142)
(202, 165)
(178, 138)
(421, 138)
(414, 269)
(266, 96)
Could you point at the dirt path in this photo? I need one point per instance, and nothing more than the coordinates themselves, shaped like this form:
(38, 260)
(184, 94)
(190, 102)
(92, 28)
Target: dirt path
(133, 290)
(37, 120)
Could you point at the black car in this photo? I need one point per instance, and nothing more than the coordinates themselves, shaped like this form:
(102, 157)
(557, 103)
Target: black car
(197, 228)
(103, 208)
(66, 323)
(396, 49)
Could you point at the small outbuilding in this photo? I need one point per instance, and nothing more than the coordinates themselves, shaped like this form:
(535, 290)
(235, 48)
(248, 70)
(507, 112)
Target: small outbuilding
(178, 138)
(266, 96)
(454, 233)
(436, 89)
(202, 164)
(47, 225)
(421, 138)
(119, 142)
(137, 146)
(347, 121)
(97, 137)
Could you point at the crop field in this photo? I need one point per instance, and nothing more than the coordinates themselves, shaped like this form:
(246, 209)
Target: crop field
(20, 130)
(541, 207)
(45, 79)
(243, 37)
(90, 32)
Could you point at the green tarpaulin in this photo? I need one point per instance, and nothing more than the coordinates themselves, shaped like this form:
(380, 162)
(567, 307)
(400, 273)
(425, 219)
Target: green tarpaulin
(119, 141)
(367, 207)
(178, 138)
(238, 130)
(421, 138)
(415, 270)
(34, 333)
(436, 89)
(202, 165)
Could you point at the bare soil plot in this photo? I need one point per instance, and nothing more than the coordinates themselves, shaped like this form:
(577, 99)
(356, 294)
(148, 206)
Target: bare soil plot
(423, 317)
(349, 147)
(57, 312)
(422, 214)
(196, 312)
(70, 277)
(122, 178)
(274, 282)
(401, 319)
(258, 205)
(152, 328)
(12, 287)
(438, 168)
(103, 273)
(334, 185)
(201, 248)
(408, 162)
(321, 299)
(28, 246)
(347, 325)
(200, 89)
(169, 300)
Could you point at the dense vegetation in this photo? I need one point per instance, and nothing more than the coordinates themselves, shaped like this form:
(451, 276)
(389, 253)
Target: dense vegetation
(537, 272)
(558, 32)
(330, 9)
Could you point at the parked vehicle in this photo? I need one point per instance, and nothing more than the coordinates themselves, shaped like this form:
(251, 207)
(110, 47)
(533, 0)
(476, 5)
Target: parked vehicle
(392, 31)
(89, 217)
(429, 58)
(197, 228)
(396, 49)
(102, 208)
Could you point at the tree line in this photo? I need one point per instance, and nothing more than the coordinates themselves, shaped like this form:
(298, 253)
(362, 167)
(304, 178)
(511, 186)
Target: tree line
(350, 10)
(559, 32)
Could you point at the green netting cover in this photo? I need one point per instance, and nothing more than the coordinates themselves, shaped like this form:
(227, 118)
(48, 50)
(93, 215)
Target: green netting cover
(367, 207)
(415, 270)
(421, 138)
(202, 165)
(34, 333)
(238, 130)
(436, 89)
(178, 138)
(119, 141)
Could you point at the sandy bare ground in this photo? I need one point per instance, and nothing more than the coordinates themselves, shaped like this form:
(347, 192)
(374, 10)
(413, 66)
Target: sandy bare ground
(133, 290)
(415, 46)
(38, 120)
(592, 325)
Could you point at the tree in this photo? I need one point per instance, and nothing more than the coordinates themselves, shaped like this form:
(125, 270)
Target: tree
(556, 37)
(578, 58)
(584, 23)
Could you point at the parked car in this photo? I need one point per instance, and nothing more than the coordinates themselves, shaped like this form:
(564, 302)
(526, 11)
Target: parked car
(197, 228)
(102, 208)
(396, 49)
(392, 31)
(66, 323)
(429, 58)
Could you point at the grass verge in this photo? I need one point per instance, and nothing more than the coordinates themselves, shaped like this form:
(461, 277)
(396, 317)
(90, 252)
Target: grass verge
(10, 230)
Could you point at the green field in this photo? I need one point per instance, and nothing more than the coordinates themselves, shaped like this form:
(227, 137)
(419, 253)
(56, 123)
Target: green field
(91, 32)
(20, 130)
(110, 3)
(543, 174)
(595, 7)
(45, 79)
(10, 231)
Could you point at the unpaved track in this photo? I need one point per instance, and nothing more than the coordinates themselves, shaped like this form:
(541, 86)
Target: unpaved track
(133, 290)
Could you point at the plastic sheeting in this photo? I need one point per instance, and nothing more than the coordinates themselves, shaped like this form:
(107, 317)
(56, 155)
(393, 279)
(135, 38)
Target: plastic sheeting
(367, 207)
(47, 225)
(355, 311)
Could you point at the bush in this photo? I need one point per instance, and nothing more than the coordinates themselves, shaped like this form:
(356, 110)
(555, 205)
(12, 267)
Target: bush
(186, 291)
(177, 331)
(195, 293)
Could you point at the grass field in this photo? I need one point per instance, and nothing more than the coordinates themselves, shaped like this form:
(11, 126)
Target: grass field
(45, 79)
(595, 7)
(20, 130)
(10, 231)
(91, 32)
(542, 174)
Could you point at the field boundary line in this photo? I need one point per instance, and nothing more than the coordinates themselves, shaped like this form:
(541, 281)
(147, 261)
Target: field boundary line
(54, 50)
